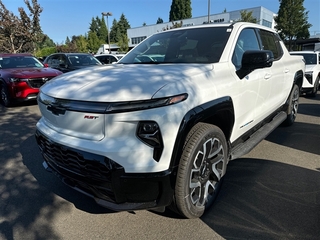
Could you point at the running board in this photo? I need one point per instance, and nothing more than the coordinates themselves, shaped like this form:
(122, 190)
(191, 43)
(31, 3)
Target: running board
(257, 137)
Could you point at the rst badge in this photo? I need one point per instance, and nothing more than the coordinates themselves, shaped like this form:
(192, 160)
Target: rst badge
(90, 117)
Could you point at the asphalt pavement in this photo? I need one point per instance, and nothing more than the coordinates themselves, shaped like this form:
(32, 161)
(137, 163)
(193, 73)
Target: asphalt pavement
(271, 193)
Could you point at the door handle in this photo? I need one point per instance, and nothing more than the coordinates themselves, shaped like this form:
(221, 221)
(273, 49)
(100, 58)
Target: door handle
(267, 76)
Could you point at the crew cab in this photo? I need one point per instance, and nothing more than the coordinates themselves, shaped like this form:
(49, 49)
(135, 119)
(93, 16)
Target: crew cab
(158, 128)
(312, 72)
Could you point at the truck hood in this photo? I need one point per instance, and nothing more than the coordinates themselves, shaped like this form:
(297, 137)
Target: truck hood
(122, 82)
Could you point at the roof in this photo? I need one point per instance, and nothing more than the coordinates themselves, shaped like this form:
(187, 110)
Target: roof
(15, 54)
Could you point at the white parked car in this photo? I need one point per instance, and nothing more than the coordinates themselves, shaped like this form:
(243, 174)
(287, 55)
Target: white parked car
(312, 73)
(158, 128)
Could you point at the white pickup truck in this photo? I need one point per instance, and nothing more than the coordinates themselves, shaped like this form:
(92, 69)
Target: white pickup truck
(159, 127)
(312, 73)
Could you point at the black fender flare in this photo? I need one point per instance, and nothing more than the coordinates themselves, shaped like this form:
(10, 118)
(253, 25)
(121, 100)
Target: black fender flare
(219, 112)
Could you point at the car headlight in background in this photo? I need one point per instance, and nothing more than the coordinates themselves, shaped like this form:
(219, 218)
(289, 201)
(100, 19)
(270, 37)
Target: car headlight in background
(308, 76)
(18, 79)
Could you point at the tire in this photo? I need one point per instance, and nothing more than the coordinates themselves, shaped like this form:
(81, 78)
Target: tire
(315, 89)
(5, 97)
(293, 104)
(200, 171)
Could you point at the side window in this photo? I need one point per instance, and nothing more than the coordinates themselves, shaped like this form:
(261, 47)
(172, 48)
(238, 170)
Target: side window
(247, 41)
(63, 59)
(113, 59)
(271, 41)
(53, 60)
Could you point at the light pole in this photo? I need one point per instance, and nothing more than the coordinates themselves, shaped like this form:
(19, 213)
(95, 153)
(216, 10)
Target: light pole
(208, 11)
(108, 14)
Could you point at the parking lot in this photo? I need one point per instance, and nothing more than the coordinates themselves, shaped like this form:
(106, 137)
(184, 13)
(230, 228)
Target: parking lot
(271, 193)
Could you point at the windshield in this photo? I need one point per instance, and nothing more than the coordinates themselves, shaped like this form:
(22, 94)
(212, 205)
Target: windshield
(309, 58)
(83, 60)
(194, 45)
(20, 62)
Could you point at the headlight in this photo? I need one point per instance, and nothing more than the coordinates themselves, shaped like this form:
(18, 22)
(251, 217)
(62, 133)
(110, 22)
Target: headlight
(145, 104)
(18, 79)
(110, 107)
(149, 133)
(308, 76)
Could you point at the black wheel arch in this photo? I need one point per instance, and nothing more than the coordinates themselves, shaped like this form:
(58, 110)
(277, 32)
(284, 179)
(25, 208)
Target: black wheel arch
(298, 79)
(219, 112)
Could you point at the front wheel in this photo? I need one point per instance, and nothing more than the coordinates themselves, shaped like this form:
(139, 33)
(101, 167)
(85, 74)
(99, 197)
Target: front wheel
(293, 104)
(202, 166)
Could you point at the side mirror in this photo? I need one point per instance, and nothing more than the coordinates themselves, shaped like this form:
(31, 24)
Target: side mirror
(254, 59)
(46, 65)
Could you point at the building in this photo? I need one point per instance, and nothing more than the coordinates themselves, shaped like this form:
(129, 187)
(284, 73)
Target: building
(265, 17)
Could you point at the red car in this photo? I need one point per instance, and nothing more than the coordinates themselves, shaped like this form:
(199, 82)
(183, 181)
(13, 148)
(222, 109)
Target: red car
(21, 76)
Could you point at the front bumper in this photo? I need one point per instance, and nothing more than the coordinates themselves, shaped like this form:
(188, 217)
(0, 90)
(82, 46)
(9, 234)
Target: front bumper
(103, 179)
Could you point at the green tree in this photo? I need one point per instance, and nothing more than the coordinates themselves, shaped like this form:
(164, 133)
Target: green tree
(123, 44)
(20, 34)
(292, 21)
(180, 9)
(94, 26)
(98, 26)
(118, 32)
(46, 51)
(247, 17)
(67, 42)
(114, 33)
(82, 44)
(102, 31)
(160, 20)
(93, 42)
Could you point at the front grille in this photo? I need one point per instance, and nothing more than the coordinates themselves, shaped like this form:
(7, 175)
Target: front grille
(38, 82)
(91, 172)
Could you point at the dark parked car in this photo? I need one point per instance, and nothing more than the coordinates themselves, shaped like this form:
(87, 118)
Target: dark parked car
(21, 76)
(66, 62)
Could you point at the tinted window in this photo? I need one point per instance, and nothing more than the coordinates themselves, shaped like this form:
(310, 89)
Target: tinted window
(201, 45)
(83, 60)
(247, 41)
(271, 41)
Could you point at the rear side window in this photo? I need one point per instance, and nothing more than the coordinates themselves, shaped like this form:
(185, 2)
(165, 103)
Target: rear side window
(271, 41)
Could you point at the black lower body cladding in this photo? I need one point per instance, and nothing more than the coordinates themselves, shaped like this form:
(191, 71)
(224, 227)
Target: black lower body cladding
(105, 180)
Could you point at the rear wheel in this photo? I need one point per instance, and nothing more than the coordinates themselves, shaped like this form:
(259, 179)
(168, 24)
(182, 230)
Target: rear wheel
(5, 98)
(202, 166)
(293, 104)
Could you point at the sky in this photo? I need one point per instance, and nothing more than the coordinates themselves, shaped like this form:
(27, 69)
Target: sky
(65, 18)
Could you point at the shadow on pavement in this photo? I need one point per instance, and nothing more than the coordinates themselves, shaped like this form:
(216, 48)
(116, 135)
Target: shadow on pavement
(53, 184)
(301, 136)
(262, 199)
